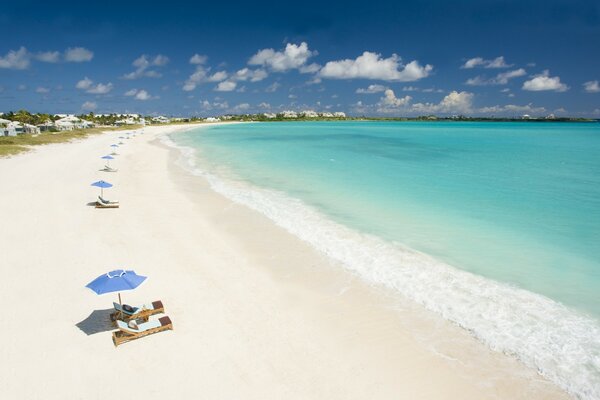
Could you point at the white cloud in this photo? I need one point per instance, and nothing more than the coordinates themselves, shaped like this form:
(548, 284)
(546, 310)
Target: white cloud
(500, 79)
(591, 87)
(142, 65)
(390, 100)
(273, 87)
(42, 90)
(89, 106)
(371, 89)
(226, 86)
(245, 74)
(217, 77)
(372, 66)
(142, 94)
(100, 88)
(88, 85)
(78, 54)
(21, 59)
(84, 84)
(198, 59)
(201, 75)
(454, 102)
(497, 62)
(309, 69)
(292, 57)
(18, 59)
(207, 105)
(264, 105)
(544, 82)
(48, 56)
(241, 107)
(160, 60)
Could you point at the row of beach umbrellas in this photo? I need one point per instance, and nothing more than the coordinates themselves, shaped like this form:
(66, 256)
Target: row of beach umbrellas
(117, 280)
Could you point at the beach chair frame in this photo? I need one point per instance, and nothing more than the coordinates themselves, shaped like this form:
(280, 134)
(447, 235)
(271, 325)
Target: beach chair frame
(101, 203)
(142, 313)
(123, 336)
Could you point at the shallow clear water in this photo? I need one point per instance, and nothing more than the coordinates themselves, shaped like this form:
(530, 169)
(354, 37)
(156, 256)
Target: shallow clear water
(518, 203)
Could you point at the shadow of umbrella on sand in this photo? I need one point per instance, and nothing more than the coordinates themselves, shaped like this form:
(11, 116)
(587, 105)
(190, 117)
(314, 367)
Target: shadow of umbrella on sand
(98, 321)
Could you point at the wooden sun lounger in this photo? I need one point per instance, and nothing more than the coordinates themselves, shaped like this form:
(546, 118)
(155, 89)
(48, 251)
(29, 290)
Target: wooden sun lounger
(126, 334)
(108, 169)
(142, 312)
(102, 203)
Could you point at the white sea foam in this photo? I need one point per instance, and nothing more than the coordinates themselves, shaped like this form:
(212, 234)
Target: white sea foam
(562, 344)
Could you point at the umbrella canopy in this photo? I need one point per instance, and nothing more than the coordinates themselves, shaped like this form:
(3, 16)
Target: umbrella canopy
(114, 145)
(116, 281)
(102, 185)
(108, 158)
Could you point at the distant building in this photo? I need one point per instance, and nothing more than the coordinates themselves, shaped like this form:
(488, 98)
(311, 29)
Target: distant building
(270, 115)
(289, 114)
(525, 116)
(126, 121)
(31, 129)
(48, 125)
(309, 114)
(212, 119)
(71, 122)
(7, 128)
(327, 115)
(339, 114)
(161, 120)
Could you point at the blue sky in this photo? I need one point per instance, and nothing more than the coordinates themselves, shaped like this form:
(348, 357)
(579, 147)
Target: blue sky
(386, 58)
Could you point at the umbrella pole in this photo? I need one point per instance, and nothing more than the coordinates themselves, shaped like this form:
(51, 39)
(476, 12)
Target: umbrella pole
(120, 299)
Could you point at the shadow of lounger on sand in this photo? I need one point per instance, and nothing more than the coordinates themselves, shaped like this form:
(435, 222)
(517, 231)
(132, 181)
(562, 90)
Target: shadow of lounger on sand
(98, 321)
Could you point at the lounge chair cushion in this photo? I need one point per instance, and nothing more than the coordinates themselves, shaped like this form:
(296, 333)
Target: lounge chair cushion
(128, 308)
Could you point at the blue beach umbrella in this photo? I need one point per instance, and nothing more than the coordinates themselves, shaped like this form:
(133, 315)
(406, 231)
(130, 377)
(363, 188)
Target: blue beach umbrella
(114, 146)
(109, 157)
(102, 185)
(116, 281)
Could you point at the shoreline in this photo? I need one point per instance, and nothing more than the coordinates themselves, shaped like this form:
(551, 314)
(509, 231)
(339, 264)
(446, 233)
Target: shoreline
(255, 316)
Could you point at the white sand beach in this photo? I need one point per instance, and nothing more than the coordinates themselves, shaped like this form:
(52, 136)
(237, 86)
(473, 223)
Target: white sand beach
(257, 313)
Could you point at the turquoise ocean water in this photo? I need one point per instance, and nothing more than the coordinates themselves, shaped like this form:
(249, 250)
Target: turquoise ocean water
(495, 226)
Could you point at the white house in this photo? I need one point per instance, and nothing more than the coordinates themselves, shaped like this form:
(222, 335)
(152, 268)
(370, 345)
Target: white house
(309, 114)
(212, 119)
(290, 114)
(7, 128)
(339, 114)
(31, 129)
(270, 115)
(126, 121)
(71, 122)
(46, 126)
(161, 120)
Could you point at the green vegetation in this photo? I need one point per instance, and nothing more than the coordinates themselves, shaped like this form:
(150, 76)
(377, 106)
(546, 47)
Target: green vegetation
(10, 145)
